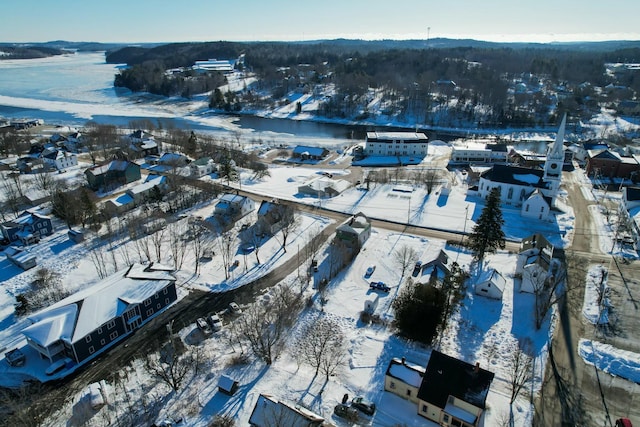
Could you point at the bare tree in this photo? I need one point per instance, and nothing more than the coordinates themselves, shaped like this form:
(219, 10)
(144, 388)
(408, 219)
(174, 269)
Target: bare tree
(263, 325)
(200, 243)
(171, 365)
(177, 244)
(431, 179)
(322, 346)
(404, 257)
(225, 246)
(13, 200)
(158, 239)
(288, 222)
(520, 372)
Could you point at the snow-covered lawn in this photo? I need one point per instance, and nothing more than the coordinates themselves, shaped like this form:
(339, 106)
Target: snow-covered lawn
(483, 330)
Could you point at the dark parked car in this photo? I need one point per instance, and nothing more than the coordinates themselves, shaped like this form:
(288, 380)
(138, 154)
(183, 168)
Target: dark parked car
(346, 411)
(363, 405)
(379, 286)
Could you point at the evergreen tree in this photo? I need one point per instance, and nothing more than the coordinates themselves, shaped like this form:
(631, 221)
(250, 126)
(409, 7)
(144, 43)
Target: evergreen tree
(487, 235)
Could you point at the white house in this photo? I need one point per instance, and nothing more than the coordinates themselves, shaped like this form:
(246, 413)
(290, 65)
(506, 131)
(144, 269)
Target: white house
(396, 144)
(473, 152)
(535, 263)
(201, 167)
(234, 206)
(60, 159)
(403, 379)
(537, 206)
(491, 284)
(321, 186)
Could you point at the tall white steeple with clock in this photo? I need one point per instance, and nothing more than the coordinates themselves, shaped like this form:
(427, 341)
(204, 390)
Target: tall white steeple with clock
(553, 164)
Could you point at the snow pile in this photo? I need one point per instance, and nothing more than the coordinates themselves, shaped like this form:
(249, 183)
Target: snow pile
(611, 360)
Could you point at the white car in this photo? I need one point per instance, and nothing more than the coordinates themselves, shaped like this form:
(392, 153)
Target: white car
(215, 322)
(370, 270)
(234, 308)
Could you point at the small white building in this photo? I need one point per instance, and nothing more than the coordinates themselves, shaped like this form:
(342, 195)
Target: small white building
(234, 206)
(23, 259)
(476, 152)
(321, 186)
(396, 144)
(537, 206)
(491, 284)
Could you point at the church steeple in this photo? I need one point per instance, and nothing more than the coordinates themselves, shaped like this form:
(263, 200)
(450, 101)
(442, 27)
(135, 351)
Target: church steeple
(555, 157)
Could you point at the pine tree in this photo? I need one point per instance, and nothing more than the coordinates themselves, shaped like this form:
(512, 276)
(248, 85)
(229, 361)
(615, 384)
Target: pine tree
(487, 235)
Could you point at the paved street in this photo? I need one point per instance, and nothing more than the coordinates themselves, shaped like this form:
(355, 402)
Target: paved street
(573, 392)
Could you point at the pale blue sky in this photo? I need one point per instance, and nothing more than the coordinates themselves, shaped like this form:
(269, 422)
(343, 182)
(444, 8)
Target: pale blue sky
(241, 20)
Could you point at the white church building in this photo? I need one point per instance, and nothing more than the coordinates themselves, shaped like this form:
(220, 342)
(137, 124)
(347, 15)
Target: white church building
(532, 190)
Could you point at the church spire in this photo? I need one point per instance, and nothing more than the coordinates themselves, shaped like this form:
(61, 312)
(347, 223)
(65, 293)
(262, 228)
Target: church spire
(555, 157)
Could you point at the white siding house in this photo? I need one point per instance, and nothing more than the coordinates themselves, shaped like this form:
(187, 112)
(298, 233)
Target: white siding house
(396, 144)
(491, 284)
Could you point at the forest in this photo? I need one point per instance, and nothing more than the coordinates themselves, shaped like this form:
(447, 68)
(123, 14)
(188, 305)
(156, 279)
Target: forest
(436, 83)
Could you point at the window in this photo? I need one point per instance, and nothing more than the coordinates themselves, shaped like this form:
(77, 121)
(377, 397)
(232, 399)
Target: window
(87, 339)
(424, 408)
(392, 385)
(150, 312)
(159, 306)
(102, 342)
(92, 350)
(113, 335)
(484, 290)
(100, 330)
(526, 208)
(445, 418)
(542, 209)
(147, 302)
(510, 193)
(165, 291)
(166, 301)
(408, 392)
(111, 324)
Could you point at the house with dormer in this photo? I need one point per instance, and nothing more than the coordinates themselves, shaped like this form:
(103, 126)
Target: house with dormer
(535, 263)
(28, 228)
(453, 392)
(234, 206)
(82, 325)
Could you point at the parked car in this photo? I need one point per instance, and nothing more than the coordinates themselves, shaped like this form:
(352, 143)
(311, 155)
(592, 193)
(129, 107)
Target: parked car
(370, 270)
(203, 325)
(346, 411)
(327, 174)
(234, 308)
(363, 405)
(417, 267)
(248, 248)
(215, 322)
(379, 286)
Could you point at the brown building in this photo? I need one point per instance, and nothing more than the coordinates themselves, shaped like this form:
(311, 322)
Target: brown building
(609, 164)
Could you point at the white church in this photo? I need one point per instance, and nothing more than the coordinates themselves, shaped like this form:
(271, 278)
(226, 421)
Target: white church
(533, 190)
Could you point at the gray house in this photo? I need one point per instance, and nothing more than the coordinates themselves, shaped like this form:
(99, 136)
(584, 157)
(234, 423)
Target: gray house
(80, 326)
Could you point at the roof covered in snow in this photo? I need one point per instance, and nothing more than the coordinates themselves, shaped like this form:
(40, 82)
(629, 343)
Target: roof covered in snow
(81, 313)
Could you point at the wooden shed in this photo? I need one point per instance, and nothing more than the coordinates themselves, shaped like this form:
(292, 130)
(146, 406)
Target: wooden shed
(228, 385)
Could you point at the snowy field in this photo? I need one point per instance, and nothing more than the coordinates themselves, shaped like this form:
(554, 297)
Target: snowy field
(404, 203)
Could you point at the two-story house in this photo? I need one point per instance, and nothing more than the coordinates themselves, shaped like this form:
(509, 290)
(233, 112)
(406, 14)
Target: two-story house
(28, 228)
(80, 326)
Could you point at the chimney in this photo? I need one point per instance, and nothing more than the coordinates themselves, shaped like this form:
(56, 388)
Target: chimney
(476, 368)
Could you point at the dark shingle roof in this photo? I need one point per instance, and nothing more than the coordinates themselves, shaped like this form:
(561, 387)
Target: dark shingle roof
(515, 175)
(313, 151)
(447, 376)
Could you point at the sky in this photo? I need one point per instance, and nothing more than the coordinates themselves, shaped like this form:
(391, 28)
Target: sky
(131, 21)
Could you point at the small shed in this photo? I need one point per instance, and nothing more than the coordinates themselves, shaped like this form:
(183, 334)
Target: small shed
(491, 284)
(228, 385)
(371, 304)
(76, 236)
(23, 259)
